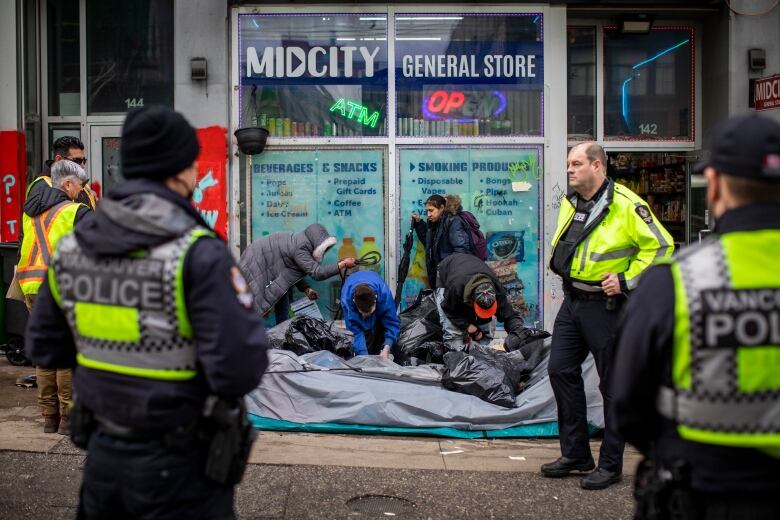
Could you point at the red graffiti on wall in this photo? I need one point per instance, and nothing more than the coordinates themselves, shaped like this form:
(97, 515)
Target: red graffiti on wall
(210, 197)
(13, 169)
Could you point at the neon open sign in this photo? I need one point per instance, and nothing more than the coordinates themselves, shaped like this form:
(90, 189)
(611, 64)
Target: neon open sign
(355, 111)
(463, 106)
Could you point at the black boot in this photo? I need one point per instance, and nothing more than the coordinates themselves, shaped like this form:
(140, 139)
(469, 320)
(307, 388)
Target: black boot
(563, 466)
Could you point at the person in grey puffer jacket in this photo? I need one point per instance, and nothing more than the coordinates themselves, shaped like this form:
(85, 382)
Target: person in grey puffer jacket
(276, 262)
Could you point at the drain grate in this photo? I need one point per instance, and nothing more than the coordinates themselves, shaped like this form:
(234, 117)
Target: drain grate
(381, 505)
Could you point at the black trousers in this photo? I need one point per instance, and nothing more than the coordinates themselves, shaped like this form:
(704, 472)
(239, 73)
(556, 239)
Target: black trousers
(375, 341)
(144, 479)
(584, 326)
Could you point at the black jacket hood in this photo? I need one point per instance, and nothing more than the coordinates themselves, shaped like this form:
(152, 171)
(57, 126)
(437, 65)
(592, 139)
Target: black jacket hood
(41, 200)
(128, 219)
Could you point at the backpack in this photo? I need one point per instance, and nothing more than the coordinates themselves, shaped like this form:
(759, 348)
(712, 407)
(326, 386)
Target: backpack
(478, 242)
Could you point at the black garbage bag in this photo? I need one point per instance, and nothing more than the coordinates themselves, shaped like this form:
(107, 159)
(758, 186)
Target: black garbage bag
(492, 375)
(428, 352)
(304, 334)
(420, 325)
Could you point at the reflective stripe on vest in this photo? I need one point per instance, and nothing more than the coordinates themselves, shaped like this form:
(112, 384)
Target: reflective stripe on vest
(41, 235)
(726, 364)
(128, 315)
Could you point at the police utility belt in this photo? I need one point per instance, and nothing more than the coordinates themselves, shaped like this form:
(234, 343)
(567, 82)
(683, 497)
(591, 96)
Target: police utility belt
(223, 427)
(583, 291)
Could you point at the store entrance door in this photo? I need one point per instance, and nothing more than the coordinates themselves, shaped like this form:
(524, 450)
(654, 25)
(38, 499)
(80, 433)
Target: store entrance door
(104, 163)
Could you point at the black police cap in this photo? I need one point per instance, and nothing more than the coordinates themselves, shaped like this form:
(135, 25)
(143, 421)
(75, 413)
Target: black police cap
(746, 146)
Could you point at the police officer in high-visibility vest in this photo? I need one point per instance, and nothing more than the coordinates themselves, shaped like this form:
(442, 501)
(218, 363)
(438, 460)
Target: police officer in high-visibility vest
(66, 148)
(148, 304)
(51, 218)
(606, 237)
(697, 373)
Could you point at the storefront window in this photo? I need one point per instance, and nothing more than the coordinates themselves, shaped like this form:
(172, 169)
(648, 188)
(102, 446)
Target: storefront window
(129, 54)
(314, 75)
(649, 84)
(469, 75)
(581, 87)
(502, 187)
(341, 189)
(62, 17)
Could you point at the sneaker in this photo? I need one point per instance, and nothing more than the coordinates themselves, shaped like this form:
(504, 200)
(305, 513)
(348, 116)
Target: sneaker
(64, 428)
(28, 381)
(601, 479)
(563, 466)
(50, 423)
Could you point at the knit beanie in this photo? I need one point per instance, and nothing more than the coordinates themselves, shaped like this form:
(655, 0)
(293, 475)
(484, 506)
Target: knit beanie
(157, 143)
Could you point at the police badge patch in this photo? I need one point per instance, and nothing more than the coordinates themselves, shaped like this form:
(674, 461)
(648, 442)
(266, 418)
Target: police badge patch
(644, 214)
(240, 286)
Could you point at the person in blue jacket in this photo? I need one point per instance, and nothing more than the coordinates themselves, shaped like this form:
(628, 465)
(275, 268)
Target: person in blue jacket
(369, 313)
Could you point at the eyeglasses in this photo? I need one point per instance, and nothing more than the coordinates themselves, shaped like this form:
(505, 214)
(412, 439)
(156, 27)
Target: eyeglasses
(78, 160)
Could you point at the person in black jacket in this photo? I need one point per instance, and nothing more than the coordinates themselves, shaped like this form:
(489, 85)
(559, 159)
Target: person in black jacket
(442, 235)
(469, 297)
(149, 306)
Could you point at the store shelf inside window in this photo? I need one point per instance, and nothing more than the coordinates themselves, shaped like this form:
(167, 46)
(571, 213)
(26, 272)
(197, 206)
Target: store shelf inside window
(660, 179)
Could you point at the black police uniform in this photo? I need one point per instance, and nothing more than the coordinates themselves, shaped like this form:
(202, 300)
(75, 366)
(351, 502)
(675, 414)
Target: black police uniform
(583, 324)
(643, 364)
(136, 473)
(709, 480)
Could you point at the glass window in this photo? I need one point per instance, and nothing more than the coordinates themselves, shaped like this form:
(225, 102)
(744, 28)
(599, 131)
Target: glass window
(341, 189)
(110, 162)
(648, 83)
(502, 187)
(61, 130)
(129, 54)
(468, 75)
(314, 75)
(62, 19)
(581, 88)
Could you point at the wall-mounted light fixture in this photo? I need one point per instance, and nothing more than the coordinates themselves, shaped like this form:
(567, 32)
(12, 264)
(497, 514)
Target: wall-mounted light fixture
(199, 69)
(756, 60)
(635, 24)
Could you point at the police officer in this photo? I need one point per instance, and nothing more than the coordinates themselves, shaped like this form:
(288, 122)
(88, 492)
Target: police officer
(147, 302)
(696, 376)
(606, 237)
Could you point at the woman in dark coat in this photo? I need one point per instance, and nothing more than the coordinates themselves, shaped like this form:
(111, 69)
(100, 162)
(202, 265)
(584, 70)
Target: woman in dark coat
(442, 235)
(276, 262)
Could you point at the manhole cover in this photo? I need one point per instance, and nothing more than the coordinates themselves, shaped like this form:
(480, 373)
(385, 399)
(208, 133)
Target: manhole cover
(381, 505)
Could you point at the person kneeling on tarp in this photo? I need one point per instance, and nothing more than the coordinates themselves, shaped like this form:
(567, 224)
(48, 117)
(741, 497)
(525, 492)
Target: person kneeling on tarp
(468, 297)
(369, 313)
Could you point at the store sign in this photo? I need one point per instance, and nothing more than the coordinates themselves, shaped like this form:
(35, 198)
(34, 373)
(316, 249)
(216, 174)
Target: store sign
(468, 66)
(766, 93)
(464, 62)
(502, 187)
(294, 62)
(266, 63)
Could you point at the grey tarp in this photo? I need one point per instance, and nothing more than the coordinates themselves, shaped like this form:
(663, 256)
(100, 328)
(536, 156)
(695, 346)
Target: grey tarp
(387, 395)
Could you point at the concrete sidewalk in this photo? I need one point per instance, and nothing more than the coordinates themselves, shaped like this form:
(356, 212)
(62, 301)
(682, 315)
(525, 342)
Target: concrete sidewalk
(21, 429)
(303, 475)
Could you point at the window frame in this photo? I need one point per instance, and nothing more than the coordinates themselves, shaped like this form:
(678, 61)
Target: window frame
(84, 119)
(613, 145)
